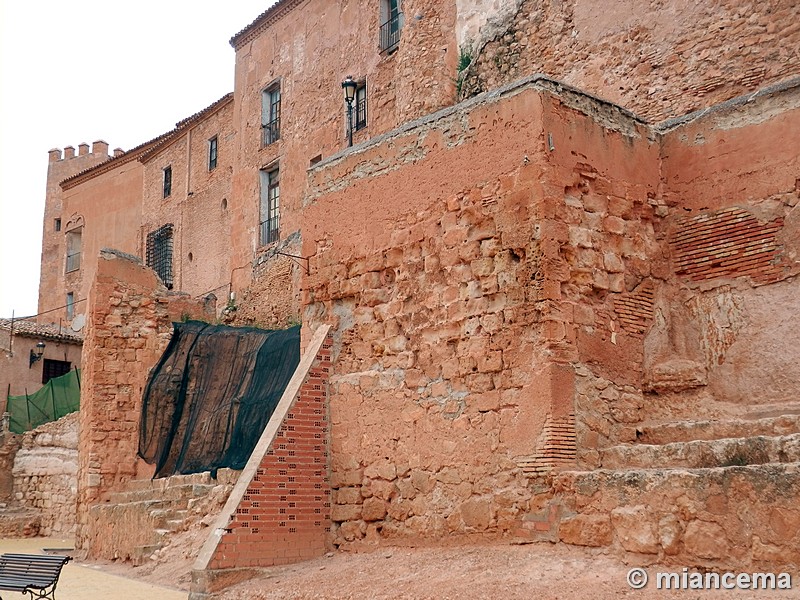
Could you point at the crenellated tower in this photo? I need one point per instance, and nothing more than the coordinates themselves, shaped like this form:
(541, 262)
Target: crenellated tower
(61, 230)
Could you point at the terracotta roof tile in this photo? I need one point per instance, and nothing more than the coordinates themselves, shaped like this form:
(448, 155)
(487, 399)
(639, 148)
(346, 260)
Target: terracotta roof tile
(46, 332)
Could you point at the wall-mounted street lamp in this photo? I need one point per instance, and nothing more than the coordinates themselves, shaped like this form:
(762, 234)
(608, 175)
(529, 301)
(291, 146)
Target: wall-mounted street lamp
(36, 353)
(349, 86)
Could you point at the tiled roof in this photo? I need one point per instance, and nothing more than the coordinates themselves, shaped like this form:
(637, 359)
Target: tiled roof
(264, 20)
(46, 332)
(143, 151)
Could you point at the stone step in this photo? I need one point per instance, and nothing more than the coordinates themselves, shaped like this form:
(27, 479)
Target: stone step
(179, 493)
(166, 482)
(141, 554)
(720, 518)
(686, 431)
(724, 452)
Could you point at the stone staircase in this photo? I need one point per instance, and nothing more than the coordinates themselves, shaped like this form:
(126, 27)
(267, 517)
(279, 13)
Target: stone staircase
(717, 493)
(139, 520)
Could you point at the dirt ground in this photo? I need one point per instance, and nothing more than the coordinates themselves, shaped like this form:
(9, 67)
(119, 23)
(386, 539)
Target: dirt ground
(475, 570)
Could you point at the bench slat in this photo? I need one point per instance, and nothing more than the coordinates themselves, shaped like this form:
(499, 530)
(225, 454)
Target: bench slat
(20, 572)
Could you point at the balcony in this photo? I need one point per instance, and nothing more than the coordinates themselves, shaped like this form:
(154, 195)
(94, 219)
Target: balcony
(390, 33)
(270, 132)
(269, 232)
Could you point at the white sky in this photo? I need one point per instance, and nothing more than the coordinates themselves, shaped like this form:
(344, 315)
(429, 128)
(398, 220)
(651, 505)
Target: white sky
(86, 70)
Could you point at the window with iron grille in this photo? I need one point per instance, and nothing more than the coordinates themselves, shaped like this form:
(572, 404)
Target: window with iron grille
(270, 209)
(54, 368)
(159, 253)
(167, 181)
(74, 250)
(391, 23)
(57, 225)
(212, 153)
(270, 115)
(360, 120)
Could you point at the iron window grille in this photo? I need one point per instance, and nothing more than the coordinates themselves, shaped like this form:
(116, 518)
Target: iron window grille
(212, 153)
(360, 120)
(270, 116)
(159, 253)
(57, 225)
(270, 209)
(390, 29)
(167, 181)
(54, 368)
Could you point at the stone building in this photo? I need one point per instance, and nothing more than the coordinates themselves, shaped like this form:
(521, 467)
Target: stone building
(519, 292)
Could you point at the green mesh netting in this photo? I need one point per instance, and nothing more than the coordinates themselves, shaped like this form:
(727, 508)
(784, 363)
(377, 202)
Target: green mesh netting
(211, 395)
(59, 397)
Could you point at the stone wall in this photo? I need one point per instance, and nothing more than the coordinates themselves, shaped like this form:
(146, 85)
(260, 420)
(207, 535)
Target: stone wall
(45, 475)
(272, 300)
(454, 304)
(130, 324)
(659, 59)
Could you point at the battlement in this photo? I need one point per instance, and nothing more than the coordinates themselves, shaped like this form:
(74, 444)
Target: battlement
(98, 147)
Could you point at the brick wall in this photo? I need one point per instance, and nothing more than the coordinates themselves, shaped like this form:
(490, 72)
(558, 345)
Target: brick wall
(412, 81)
(279, 512)
(659, 59)
(198, 204)
(727, 243)
(129, 326)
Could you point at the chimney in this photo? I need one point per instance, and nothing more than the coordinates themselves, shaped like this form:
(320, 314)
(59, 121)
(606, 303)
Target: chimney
(118, 152)
(100, 147)
(54, 154)
(69, 152)
(83, 149)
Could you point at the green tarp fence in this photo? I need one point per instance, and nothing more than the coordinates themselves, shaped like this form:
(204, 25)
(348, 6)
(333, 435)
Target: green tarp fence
(59, 397)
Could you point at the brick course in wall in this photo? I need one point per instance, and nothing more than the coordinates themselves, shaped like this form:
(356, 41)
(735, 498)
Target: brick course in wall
(727, 243)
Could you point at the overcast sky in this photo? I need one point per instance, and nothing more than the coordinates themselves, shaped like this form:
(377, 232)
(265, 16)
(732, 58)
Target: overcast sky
(87, 70)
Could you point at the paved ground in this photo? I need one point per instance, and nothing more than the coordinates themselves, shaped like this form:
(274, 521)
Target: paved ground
(79, 582)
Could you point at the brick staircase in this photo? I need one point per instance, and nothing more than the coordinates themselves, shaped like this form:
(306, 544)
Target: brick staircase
(139, 520)
(721, 493)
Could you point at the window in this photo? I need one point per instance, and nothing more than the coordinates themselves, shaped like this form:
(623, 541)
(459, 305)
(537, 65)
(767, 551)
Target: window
(212, 153)
(270, 115)
(70, 305)
(74, 250)
(360, 120)
(167, 181)
(57, 225)
(391, 23)
(270, 210)
(159, 253)
(54, 368)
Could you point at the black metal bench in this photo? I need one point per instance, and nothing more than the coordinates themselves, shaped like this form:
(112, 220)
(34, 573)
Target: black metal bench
(32, 574)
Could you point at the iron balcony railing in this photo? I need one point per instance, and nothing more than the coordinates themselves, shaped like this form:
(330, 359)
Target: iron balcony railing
(73, 262)
(270, 132)
(269, 232)
(390, 33)
(361, 114)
